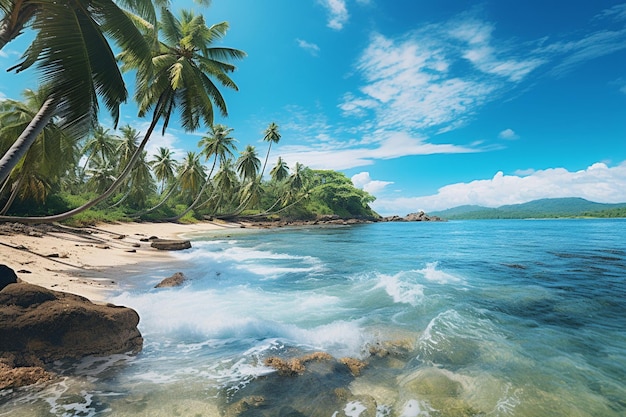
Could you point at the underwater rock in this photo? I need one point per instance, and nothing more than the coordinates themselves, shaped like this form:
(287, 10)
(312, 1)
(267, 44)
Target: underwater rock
(19, 377)
(318, 385)
(175, 280)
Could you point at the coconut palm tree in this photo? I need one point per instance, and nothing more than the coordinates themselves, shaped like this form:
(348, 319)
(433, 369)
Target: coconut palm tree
(75, 60)
(127, 144)
(219, 145)
(142, 184)
(163, 165)
(102, 145)
(248, 164)
(271, 136)
(191, 175)
(181, 76)
(280, 170)
(46, 161)
(226, 183)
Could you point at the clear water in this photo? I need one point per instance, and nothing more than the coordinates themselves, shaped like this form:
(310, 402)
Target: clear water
(482, 318)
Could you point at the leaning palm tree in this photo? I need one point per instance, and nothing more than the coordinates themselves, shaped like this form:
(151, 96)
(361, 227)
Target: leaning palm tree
(75, 60)
(181, 75)
(218, 145)
(271, 136)
(45, 162)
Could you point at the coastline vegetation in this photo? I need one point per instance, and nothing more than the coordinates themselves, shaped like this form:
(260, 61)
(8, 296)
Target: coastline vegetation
(60, 164)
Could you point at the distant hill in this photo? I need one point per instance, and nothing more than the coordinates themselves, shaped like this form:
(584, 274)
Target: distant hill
(544, 208)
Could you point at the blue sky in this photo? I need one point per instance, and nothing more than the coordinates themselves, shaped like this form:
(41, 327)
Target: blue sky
(426, 104)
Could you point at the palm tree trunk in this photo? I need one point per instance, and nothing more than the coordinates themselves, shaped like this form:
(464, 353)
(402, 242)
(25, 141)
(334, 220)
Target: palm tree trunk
(16, 189)
(102, 197)
(266, 158)
(23, 143)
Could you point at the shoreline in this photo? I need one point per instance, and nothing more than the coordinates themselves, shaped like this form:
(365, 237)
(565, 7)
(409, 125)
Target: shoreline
(89, 261)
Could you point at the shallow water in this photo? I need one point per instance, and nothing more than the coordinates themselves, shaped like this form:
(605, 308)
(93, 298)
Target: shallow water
(485, 318)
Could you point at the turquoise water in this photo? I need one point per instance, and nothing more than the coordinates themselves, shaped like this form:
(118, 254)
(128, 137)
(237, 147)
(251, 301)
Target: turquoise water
(476, 318)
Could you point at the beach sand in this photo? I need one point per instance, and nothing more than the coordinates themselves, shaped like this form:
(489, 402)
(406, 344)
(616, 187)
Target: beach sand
(90, 261)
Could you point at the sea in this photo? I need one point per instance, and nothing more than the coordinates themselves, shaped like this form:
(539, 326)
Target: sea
(459, 318)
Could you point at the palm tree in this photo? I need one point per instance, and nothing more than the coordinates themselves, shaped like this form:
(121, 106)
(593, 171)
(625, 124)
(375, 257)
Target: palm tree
(218, 145)
(163, 165)
(45, 162)
(191, 174)
(180, 75)
(75, 61)
(272, 136)
(248, 164)
(280, 170)
(101, 175)
(127, 145)
(226, 182)
(101, 144)
(141, 182)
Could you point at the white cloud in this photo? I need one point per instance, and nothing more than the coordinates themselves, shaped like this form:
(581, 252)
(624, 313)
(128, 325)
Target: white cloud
(311, 48)
(363, 181)
(409, 83)
(599, 183)
(508, 134)
(337, 13)
(332, 155)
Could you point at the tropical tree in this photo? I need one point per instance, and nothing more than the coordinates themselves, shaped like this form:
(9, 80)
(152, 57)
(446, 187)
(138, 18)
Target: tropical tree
(75, 61)
(46, 161)
(271, 136)
(127, 144)
(141, 183)
(248, 164)
(280, 170)
(163, 165)
(218, 145)
(226, 183)
(181, 75)
(101, 144)
(101, 174)
(191, 175)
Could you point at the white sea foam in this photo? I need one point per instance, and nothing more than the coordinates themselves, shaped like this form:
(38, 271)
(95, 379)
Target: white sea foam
(433, 274)
(400, 289)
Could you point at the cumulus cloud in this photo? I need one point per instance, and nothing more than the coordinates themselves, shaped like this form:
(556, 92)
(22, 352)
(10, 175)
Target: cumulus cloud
(311, 48)
(337, 13)
(508, 134)
(363, 181)
(598, 182)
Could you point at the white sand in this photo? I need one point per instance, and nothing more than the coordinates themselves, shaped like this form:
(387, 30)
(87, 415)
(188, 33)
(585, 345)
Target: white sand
(90, 264)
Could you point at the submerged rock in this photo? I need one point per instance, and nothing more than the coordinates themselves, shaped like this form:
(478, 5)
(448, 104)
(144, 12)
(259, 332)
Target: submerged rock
(39, 326)
(175, 280)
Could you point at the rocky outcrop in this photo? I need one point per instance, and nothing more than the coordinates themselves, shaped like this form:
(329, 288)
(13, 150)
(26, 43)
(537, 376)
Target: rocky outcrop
(170, 244)
(38, 326)
(175, 280)
(413, 217)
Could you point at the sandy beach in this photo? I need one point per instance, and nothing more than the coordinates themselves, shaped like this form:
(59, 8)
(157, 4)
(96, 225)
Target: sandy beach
(89, 261)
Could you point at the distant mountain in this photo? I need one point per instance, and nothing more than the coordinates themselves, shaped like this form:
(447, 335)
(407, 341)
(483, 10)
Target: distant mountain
(544, 208)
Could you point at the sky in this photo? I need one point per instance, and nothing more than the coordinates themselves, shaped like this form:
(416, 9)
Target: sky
(426, 105)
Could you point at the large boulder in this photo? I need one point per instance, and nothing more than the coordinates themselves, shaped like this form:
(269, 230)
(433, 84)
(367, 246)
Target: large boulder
(38, 326)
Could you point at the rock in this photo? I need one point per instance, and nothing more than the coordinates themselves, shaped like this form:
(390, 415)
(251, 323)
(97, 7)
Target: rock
(170, 244)
(175, 280)
(38, 325)
(7, 276)
(19, 377)
(413, 217)
(53, 255)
